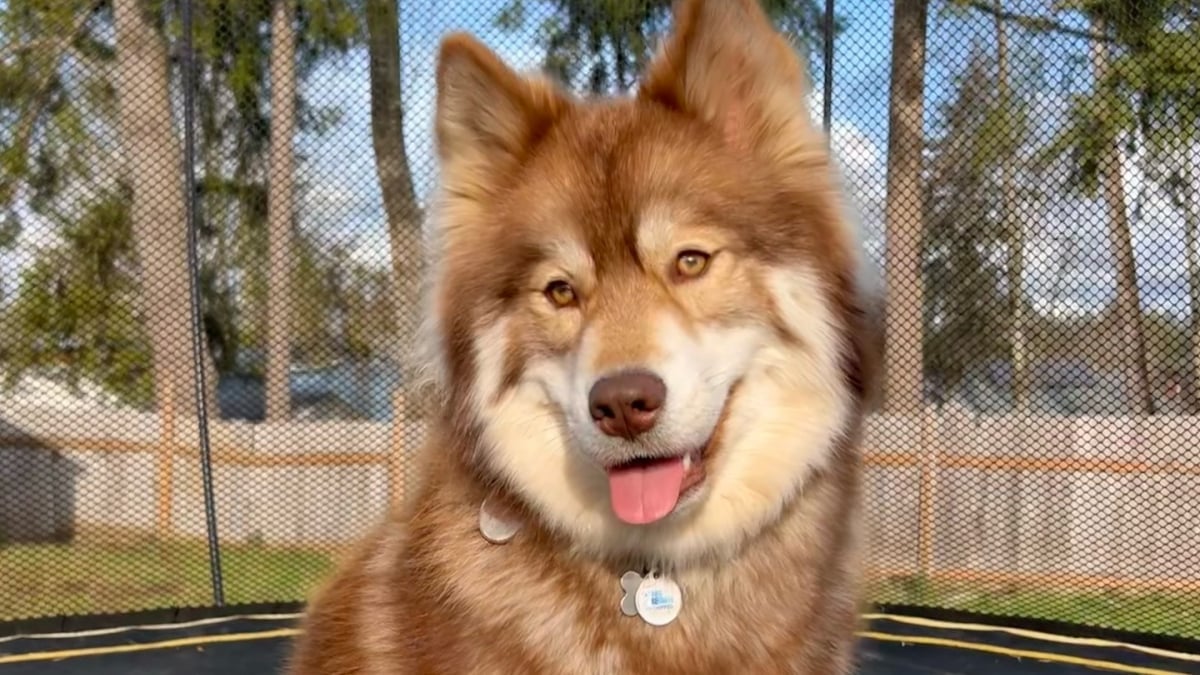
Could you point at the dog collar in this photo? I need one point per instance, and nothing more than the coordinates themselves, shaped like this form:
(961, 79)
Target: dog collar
(654, 597)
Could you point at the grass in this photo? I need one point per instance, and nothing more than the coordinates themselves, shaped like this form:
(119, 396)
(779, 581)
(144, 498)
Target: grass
(87, 576)
(1176, 614)
(92, 575)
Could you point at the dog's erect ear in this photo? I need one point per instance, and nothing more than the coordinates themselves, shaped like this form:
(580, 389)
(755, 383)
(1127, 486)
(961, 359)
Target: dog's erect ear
(727, 65)
(488, 116)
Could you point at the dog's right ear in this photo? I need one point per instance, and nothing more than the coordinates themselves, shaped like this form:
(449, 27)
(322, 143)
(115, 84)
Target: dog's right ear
(488, 117)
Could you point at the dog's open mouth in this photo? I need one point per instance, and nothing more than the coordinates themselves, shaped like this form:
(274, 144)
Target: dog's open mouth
(647, 489)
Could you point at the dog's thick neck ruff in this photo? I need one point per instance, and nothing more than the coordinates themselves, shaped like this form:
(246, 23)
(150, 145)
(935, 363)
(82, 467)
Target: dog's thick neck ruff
(646, 593)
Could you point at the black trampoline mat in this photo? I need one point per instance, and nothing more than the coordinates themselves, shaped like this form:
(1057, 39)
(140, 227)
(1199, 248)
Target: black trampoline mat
(891, 645)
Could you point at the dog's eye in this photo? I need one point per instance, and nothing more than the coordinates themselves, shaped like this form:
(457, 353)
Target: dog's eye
(560, 293)
(691, 264)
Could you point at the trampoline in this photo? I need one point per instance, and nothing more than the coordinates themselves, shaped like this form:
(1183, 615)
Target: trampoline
(892, 643)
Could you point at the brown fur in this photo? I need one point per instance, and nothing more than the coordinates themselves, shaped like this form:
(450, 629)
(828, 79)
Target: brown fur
(449, 601)
(718, 127)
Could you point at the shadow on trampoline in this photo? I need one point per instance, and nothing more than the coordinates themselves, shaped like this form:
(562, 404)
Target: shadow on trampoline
(892, 644)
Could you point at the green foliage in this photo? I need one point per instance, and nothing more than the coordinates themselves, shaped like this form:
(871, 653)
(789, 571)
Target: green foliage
(604, 44)
(354, 319)
(76, 311)
(964, 234)
(233, 45)
(1151, 91)
(47, 148)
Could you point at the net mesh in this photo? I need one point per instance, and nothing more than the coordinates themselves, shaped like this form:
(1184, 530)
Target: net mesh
(1027, 175)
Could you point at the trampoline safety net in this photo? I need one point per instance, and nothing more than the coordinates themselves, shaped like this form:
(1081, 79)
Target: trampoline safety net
(211, 227)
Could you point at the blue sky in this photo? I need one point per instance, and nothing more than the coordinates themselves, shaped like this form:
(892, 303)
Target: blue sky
(342, 198)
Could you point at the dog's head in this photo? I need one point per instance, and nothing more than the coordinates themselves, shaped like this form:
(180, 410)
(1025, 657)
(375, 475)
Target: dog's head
(646, 310)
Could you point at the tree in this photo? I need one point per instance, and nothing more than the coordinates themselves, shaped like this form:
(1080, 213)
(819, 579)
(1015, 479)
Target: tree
(1134, 360)
(1007, 142)
(1158, 71)
(1152, 76)
(44, 151)
(903, 377)
(234, 56)
(355, 318)
(68, 164)
(1091, 142)
(280, 209)
(76, 308)
(151, 152)
(1180, 181)
(965, 229)
(404, 215)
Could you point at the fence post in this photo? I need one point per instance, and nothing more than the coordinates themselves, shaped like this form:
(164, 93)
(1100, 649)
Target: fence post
(928, 492)
(396, 454)
(164, 469)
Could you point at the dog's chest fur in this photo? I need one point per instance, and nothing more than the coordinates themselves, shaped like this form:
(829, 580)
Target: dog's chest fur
(433, 596)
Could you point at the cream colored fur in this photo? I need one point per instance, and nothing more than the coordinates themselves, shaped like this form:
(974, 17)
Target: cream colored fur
(784, 420)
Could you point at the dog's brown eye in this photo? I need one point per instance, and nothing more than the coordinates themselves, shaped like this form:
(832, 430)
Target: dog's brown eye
(691, 264)
(560, 293)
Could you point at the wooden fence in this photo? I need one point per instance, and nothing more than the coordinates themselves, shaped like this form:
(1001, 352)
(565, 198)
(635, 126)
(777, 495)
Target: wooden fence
(1100, 502)
(1104, 501)
(291, 483)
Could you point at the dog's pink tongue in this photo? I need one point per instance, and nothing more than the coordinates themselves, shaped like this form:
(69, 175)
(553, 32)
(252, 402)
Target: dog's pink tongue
(644, 492)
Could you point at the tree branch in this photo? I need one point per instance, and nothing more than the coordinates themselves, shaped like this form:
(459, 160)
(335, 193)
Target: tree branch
(1039, 24)
(57, 43)
(23, 47)
(42, 92)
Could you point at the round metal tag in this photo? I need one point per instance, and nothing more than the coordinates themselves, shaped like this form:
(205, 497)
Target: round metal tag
(497, 525)
(658, 600)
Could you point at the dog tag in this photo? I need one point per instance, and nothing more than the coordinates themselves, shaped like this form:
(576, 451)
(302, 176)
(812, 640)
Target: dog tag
(630, 582)
(658, 600)
(497, 524)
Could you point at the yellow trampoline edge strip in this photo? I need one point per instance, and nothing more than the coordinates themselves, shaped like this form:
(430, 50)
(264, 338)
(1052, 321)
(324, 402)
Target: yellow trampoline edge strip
(148, 646)
(1016, 653)
(59, 655)
(1035, 635)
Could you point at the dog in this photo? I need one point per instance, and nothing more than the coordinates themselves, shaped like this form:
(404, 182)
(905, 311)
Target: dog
(653, 347)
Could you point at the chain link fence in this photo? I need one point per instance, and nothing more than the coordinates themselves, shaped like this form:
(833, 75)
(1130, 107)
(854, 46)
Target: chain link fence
(205, 414)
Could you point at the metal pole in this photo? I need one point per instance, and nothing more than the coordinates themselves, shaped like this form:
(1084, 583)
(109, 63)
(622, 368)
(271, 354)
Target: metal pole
(189, 177)
(827, 85)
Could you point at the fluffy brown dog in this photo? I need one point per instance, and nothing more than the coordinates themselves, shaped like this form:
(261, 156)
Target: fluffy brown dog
(653, 354)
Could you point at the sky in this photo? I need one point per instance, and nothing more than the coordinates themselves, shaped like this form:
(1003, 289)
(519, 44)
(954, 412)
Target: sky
(341, 196)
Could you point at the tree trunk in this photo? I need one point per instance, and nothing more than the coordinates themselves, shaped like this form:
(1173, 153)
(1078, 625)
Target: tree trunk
(154, 163)
(280, 209)
(395, 181)
(1131, 349)
(904, 363)
(1012, 225)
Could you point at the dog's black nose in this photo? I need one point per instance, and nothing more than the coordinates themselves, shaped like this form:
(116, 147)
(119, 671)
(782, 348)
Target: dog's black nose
(626, 404)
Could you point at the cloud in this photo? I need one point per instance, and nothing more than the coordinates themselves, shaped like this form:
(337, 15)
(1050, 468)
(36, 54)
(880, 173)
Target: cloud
(864, 175)
(856, 150)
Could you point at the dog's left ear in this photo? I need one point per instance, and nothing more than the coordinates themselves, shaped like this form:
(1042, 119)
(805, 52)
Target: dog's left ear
(727, 65)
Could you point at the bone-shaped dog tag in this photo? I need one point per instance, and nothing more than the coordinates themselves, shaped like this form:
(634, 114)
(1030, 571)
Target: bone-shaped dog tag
(630, 582)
